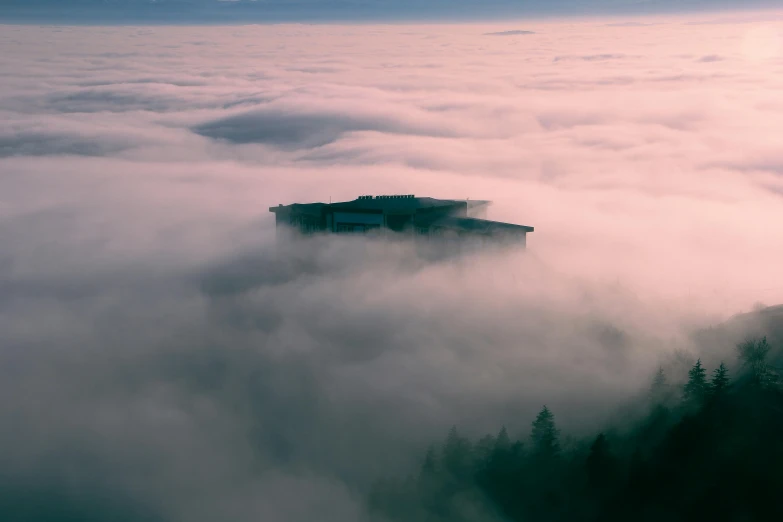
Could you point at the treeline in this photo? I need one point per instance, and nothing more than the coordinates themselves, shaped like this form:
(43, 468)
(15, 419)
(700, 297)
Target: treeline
(711, 449)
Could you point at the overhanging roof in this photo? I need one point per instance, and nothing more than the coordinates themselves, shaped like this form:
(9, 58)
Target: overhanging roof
(303, 208)
(394, 203)
(481, 226)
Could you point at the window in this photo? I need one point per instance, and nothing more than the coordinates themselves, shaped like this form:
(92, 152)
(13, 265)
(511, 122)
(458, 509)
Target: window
(355, 228)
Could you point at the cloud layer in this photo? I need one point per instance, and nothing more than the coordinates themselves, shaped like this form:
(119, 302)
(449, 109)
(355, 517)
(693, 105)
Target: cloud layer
(161, 357)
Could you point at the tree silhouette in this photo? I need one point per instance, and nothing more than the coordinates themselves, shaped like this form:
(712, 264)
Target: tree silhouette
(484, 447)
(456, 453)
(430, 464)
(696, 388)
(720, 381)
(671, 464)
(659, 381)
(753, 354)
(660, 391)
(544, 436)
(503, 441)
(600, 463)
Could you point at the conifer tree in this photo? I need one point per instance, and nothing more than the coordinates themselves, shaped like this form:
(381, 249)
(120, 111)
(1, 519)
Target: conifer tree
(659, 381)
(544, 436)
(456, 452)
(720, 381)
(659, 389)
(430, 464)
(696, 388)
(484, 448)
(503, 441)
(600, 462)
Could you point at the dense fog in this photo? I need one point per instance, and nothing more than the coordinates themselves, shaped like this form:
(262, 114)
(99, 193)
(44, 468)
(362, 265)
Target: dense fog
(163, 358)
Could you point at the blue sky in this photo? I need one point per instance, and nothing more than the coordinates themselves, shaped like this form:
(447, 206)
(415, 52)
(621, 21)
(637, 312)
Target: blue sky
(238, 11)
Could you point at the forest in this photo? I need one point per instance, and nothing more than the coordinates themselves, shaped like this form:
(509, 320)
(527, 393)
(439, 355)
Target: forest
(710, 449)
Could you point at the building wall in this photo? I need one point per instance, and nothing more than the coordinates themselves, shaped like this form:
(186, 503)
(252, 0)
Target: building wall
(355, 222)
(375, 222)
(479, 212)
(298, 222)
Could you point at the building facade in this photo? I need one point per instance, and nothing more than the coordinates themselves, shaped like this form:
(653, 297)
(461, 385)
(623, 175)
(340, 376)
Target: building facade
(425, 219)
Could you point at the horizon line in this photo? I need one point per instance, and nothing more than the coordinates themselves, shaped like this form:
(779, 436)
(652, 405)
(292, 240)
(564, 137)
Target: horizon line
(506, 17)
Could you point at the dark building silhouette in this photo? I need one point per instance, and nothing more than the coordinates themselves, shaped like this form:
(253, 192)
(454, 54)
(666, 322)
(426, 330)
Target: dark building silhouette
(426, 219)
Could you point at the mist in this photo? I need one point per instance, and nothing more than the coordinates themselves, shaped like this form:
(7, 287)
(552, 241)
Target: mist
(164, 358)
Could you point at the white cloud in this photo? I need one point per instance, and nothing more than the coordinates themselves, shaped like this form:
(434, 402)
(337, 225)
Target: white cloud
(148, 322)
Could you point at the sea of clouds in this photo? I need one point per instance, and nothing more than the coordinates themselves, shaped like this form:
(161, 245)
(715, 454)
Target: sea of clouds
(162, 359)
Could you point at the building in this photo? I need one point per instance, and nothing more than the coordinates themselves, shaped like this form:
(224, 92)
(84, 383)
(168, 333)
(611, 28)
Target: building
(426, 219)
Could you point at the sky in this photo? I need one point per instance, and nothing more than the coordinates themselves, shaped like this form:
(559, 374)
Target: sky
(163, 358)
(267, 11)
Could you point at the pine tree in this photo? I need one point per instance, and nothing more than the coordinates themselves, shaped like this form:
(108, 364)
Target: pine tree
(483, 449)
(429, 484)
(430, 464)
(720, 381)
(696, 388)
(600, 462)
(659, 381)
(659, 390)
(457, 453)
(544, 436)
(503, 441)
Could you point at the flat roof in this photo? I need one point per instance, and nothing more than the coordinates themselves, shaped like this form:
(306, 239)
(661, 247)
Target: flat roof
(305, 208)
(402, 203)
(384, 203)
